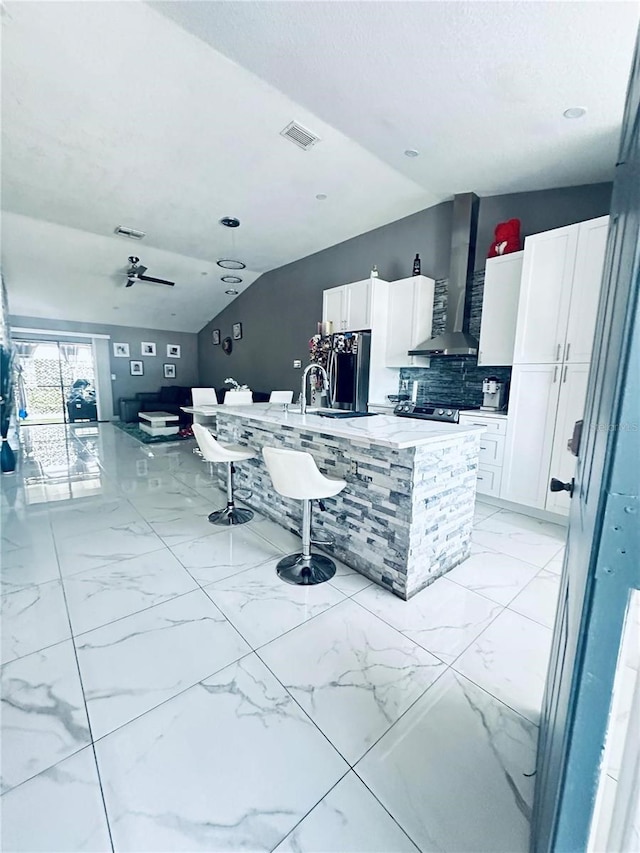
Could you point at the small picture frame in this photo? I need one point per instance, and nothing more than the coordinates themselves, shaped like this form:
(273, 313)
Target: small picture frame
(169, 371)
(136, 368)
(121, 350)
(215, 337)
(173, 350)
(148, 348)
(237, 331)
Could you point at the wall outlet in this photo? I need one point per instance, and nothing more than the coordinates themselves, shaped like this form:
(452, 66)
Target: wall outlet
(297, 362)
(404, 384)
(113, 376)
(353, 467)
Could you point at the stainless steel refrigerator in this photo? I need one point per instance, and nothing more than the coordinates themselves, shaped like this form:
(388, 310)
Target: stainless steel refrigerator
(348, 368)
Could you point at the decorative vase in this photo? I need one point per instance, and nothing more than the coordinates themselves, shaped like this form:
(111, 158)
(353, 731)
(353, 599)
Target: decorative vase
(7, 458)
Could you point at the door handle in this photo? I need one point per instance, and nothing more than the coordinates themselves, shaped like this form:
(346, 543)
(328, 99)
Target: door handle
(558, 352)
(559, 486)
(566, 357)
(564, 375)
(555, 373)
(573, 444)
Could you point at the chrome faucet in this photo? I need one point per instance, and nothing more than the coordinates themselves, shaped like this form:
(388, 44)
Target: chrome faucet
(303, 390)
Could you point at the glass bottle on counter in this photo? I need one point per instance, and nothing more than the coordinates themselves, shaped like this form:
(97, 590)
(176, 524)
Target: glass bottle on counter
(416, 265)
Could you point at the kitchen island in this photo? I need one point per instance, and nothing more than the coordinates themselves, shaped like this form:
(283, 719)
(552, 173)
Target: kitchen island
(406, 514)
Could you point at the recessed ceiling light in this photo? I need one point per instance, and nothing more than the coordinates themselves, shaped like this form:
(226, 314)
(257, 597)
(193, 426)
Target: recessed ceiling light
(411, 152)
(231, 292)
(173, 315)
(116, 307)
(321, 196)
(574, 112)
(227, 264)
(230, 222)
(204, 273)
(231, 279)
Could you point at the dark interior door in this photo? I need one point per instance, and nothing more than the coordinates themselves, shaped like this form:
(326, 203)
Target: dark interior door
(601, 563)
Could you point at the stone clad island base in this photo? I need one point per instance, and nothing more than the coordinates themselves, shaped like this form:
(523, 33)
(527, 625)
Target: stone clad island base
(404, 519)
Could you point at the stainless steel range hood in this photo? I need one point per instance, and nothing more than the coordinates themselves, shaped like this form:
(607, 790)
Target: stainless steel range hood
(455, 340)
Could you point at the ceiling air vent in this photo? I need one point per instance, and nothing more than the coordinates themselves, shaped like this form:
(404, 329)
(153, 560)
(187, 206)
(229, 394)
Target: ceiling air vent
(299, 135)
(130, 232)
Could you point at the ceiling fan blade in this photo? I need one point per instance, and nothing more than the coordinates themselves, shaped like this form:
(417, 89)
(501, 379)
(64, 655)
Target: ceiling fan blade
(141, 270)
(129, 282)
(156, 280)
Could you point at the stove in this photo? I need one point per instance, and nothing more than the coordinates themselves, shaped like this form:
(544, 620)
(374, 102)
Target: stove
(428, 412)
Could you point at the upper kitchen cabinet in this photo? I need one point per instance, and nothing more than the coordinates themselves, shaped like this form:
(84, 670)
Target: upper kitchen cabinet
(409, 319)
(348, 307)
(559, 294)
(500, 310)
(585, 291)
(545, 294)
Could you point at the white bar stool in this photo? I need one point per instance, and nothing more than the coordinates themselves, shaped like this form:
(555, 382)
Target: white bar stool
(213, 451)
(295, 474)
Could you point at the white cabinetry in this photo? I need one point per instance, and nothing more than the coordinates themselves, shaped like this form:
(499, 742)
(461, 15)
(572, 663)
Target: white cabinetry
(500, 310)
(559, 295)
(561, 276)
(410, 317)
(585, 292)
(533, 402)
(348, 307)
(573, 393)
(545, 294)
(492, 447)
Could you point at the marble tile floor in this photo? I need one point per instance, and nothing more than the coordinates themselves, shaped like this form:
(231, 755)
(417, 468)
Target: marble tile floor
(163, 690)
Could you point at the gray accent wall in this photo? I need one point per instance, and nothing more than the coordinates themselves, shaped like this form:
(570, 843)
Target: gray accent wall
(125, 385)
(281, 309)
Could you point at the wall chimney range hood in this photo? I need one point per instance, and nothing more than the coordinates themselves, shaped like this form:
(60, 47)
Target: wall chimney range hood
(455, 340)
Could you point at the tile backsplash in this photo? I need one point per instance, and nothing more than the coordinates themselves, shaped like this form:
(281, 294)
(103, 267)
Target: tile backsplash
(457, 381)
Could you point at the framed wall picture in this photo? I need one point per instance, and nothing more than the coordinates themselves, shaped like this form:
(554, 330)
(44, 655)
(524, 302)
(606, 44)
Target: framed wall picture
(169, 371)
(136, 368)
(148, 348)
(227, 345)
(237, 331)
(173, 350)
(215, 337)
(121, 350)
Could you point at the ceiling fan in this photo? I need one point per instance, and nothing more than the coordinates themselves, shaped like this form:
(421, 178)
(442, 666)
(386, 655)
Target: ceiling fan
(136, 272)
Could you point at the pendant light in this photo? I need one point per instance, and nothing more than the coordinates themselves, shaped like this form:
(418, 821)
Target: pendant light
(229, 263)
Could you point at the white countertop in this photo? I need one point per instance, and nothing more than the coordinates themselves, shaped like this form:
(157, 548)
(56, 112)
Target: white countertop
(385, 430)
(483, 413)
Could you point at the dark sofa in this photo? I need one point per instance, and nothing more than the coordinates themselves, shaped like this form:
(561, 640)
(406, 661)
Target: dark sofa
(168, 399)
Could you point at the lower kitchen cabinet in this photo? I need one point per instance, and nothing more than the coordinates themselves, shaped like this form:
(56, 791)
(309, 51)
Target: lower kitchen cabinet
(533, 405)
(545, 402)
(492, 448)
(573, 393)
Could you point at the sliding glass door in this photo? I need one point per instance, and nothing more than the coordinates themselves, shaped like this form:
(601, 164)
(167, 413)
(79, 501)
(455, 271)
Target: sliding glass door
(57, 382)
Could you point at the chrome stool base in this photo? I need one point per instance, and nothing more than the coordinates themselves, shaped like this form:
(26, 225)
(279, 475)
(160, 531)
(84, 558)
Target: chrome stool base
(231, 514)
(306, 571)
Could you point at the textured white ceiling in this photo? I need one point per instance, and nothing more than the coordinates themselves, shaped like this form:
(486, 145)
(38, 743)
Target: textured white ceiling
(113, 114)
(478, 88)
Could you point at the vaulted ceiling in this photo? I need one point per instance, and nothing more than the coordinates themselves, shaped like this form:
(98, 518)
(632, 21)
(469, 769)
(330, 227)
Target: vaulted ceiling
(166, 116)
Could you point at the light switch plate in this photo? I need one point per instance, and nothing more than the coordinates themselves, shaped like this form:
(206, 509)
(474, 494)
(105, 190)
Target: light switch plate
(113, 376)
(297, 362)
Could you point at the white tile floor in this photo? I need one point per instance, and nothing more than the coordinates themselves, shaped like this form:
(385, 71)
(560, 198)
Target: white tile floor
(163, 690)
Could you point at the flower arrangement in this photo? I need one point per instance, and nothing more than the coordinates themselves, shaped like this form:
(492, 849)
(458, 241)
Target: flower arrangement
(319, 348)
(235, 386)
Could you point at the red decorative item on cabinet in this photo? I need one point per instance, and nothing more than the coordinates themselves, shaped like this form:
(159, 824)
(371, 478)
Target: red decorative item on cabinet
(507, 239)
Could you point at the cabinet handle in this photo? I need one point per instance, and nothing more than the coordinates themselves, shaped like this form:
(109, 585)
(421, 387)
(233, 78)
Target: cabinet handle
(479, 478)
(558, 352)
(555, 373)
(564, 376)
(482, 448)
(566, 358)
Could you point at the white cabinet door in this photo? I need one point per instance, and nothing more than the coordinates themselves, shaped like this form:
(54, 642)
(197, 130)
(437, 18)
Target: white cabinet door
(500, 310)
(532, 413)
(358, 307)
(573, 392)
(333, 307)
(585, 292)
(410, 317)
(545, 294)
